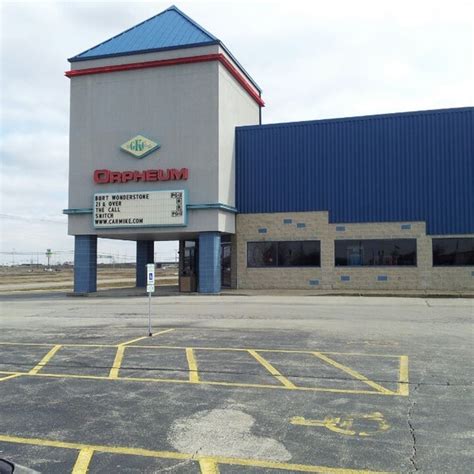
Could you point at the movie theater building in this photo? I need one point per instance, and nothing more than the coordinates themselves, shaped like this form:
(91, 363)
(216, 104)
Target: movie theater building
(166, 143)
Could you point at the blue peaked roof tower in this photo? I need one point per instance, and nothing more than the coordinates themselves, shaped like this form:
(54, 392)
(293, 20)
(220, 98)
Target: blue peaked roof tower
(169, 81)
(169, 30)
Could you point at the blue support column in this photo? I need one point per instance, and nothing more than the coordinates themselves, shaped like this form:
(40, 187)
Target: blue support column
(209, 262)
(145, 254)
(85, 263)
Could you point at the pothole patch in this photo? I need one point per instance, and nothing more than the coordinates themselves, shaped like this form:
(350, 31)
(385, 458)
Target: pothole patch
(224, 432)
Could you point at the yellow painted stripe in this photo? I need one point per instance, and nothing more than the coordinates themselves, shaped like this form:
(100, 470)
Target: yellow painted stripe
(282, 379)
(114, 371)
(206, 460)
(390, 356)
(83, 461)
(45, 360)
(403, 387)
(10, 377)
(353, 373)
(285, 351)
(208, 466)
(133, 340)
(201, 382)
(144, 337)
(193, 367)
(97, 448)
(290, 467)
(230, 349)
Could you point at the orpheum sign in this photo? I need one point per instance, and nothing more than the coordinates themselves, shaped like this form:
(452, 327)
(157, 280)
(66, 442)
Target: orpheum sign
(171, 174)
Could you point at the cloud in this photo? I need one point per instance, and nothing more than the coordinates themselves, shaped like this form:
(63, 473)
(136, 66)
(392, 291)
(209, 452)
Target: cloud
(313, 59)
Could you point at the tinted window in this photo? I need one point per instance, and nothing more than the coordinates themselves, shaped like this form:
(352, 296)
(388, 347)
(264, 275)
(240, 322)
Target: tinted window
(299, 254)
(375, 252)
(453, 251)
(284, 254)
(261, 254)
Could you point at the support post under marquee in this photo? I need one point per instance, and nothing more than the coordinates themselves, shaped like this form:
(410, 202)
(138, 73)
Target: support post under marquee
(85, 263)
(145, 254)
(209, 262)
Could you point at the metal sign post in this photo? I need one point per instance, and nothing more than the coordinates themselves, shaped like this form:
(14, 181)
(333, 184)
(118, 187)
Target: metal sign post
(150, 288)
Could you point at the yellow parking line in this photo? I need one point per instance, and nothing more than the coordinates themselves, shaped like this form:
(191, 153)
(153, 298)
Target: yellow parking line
(390, 356)
(45, 360)
(284, 351)
(291, 467)
(10, 377)
(192, 363)
(230, 349)
(403, 387)
(207, 461)
(282, 379)
(354, 374)
(133, 340)
(208, 466)
(97, 448)
(144, 337)
(114, 371)
(83, 460)
(201, 382)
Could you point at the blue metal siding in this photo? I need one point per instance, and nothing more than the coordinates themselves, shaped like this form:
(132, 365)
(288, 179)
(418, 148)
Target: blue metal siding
(416, 166)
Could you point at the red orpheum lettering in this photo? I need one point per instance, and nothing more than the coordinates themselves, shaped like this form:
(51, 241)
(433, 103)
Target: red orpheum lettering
(177, 175)
(171, 174)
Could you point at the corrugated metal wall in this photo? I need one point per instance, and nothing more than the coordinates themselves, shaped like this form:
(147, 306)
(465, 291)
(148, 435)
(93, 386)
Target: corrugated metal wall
(399, 167)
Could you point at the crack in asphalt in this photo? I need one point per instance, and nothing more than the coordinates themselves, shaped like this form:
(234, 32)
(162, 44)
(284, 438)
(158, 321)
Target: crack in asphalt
(177, 465)
(413, 459)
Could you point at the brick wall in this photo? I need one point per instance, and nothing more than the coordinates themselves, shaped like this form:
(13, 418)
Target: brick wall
(315, 226)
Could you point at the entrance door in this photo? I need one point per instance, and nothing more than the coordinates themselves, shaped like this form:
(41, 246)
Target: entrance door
(188, 252)
(225, 265)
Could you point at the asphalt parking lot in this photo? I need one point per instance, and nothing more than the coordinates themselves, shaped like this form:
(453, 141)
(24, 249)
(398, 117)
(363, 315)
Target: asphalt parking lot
(236, 384)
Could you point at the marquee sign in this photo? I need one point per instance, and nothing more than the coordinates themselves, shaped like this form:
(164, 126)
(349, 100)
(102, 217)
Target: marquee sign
(140, 146)
(140, 209)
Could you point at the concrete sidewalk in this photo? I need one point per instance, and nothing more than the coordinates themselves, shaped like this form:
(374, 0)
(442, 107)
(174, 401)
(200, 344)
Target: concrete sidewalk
(172, 290)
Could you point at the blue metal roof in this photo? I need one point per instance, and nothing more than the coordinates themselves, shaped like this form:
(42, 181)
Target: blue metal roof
(414, 166)
(170, 29)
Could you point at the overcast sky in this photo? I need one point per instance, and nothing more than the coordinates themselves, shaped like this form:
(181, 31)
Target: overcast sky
(313, 59)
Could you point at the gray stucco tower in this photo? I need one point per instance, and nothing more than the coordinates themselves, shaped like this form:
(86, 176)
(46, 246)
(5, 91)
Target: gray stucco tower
(169, 88)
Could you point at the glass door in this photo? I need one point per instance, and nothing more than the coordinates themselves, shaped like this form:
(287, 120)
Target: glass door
(226, 265)
(188, 266)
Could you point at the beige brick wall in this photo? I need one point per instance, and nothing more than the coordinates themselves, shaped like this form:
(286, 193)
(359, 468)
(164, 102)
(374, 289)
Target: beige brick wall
(317, 227)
